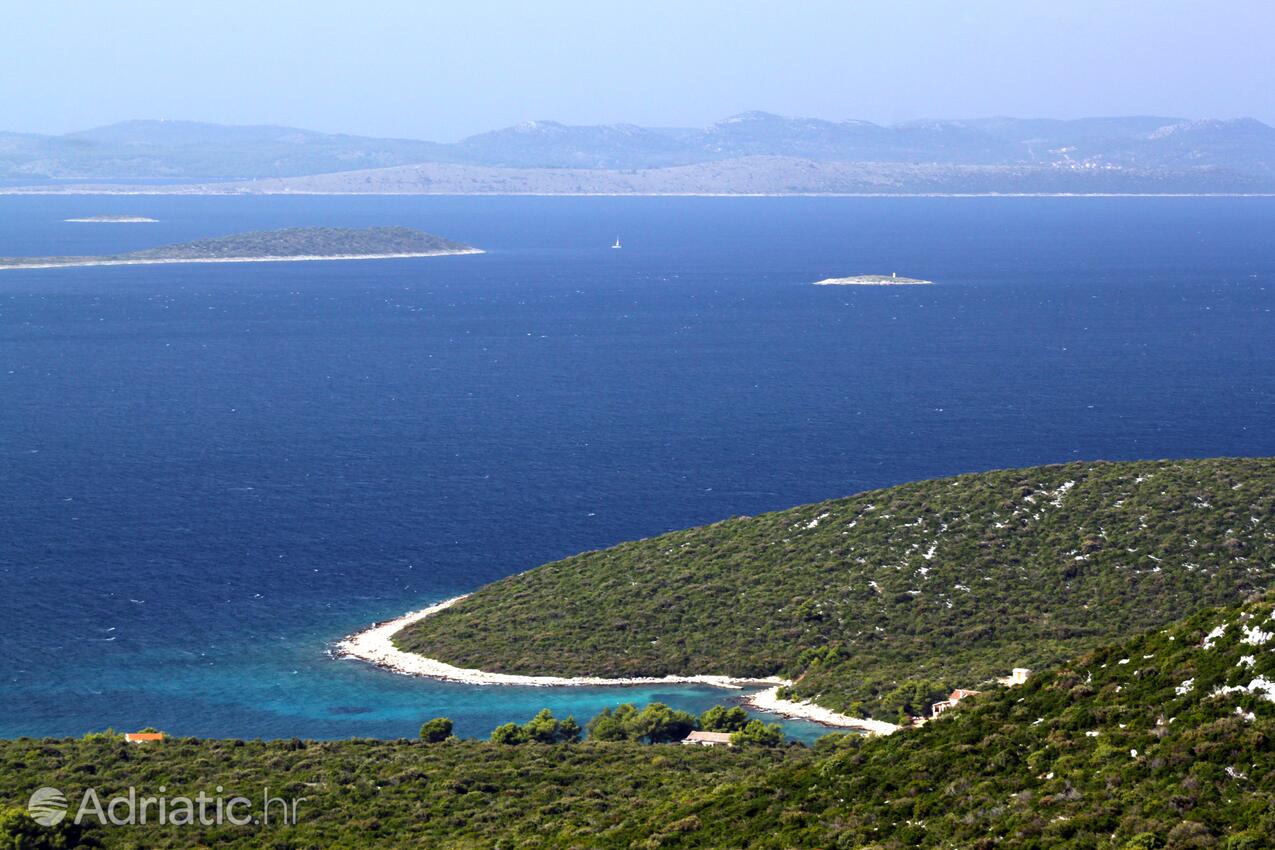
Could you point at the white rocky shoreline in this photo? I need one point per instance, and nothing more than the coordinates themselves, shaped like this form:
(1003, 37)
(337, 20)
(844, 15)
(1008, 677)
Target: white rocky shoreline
(375, 646)
(769, 700)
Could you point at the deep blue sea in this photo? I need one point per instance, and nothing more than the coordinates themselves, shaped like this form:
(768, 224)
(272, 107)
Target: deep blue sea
(208, 474)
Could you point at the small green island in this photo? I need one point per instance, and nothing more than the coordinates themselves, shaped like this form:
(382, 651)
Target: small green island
(873, 280)
(112, 219)
(289, 244)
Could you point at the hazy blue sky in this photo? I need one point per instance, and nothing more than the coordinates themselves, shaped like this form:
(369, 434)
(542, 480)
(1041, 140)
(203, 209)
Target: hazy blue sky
(444, 70)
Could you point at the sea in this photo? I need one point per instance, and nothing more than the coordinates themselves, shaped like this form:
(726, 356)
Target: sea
(209, 474)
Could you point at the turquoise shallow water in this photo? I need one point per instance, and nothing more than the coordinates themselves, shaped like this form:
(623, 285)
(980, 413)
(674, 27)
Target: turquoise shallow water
(212, 473)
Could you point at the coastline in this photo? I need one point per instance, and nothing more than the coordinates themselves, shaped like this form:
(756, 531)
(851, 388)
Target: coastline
(769, 701)
(374, 645)
(288, 259)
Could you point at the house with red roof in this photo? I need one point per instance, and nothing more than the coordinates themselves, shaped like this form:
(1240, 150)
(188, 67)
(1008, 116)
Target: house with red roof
(952, 699)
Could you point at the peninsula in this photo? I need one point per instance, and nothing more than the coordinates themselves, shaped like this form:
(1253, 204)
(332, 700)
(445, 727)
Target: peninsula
(112, 219)
(868, 591)
(873, 280)
(287, 245)
(873, 606)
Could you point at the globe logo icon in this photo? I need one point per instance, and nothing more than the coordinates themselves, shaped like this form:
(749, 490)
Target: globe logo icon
(47, 806)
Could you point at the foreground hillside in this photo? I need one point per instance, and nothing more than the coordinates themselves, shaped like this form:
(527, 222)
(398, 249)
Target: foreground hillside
(1160, 741)
(359, 794)
(880, 602)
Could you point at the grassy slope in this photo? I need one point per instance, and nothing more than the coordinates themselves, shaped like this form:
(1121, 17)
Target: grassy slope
(952, 581)
(1130, 746)
(388, 793)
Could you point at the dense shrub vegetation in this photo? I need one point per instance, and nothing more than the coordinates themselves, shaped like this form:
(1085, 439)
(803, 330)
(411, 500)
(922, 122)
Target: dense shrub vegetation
(1147, 724)
(1161, 741)
(361, 794)
(881, 602)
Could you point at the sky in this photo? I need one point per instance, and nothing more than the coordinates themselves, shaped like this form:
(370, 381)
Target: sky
(442, 71)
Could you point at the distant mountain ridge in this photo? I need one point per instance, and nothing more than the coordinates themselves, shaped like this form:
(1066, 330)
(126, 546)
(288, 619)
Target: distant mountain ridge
(747, 175)
(180, 150)
(1239, 152)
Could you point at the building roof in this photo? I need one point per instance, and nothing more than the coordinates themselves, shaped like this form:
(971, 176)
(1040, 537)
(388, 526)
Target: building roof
(700, 737)
(960, 694)
(143, 736)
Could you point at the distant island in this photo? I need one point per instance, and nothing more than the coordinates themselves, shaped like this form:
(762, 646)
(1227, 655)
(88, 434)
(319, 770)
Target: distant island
(113, 219)
(873, 280)
(290, 244)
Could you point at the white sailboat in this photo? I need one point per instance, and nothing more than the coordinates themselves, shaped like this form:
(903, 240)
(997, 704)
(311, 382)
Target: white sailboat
(617, 242)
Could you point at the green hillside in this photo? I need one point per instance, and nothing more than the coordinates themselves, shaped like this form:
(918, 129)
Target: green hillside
(363, 793)
(880, 601)
(1160, 741)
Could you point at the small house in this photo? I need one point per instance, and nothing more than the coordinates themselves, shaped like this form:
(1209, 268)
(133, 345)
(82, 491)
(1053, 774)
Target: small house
(952, 699)
(707, 739)
(1017, 677)
(143, 737)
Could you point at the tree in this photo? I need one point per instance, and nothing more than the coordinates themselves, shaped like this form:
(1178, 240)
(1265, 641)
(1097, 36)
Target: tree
(655, 724)
(508, 733)
(659, 724)
(544, 728)
(758, 734)
(719, 718)
(913, 697)
(610, 724)
(569, 732)
(438, 729)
